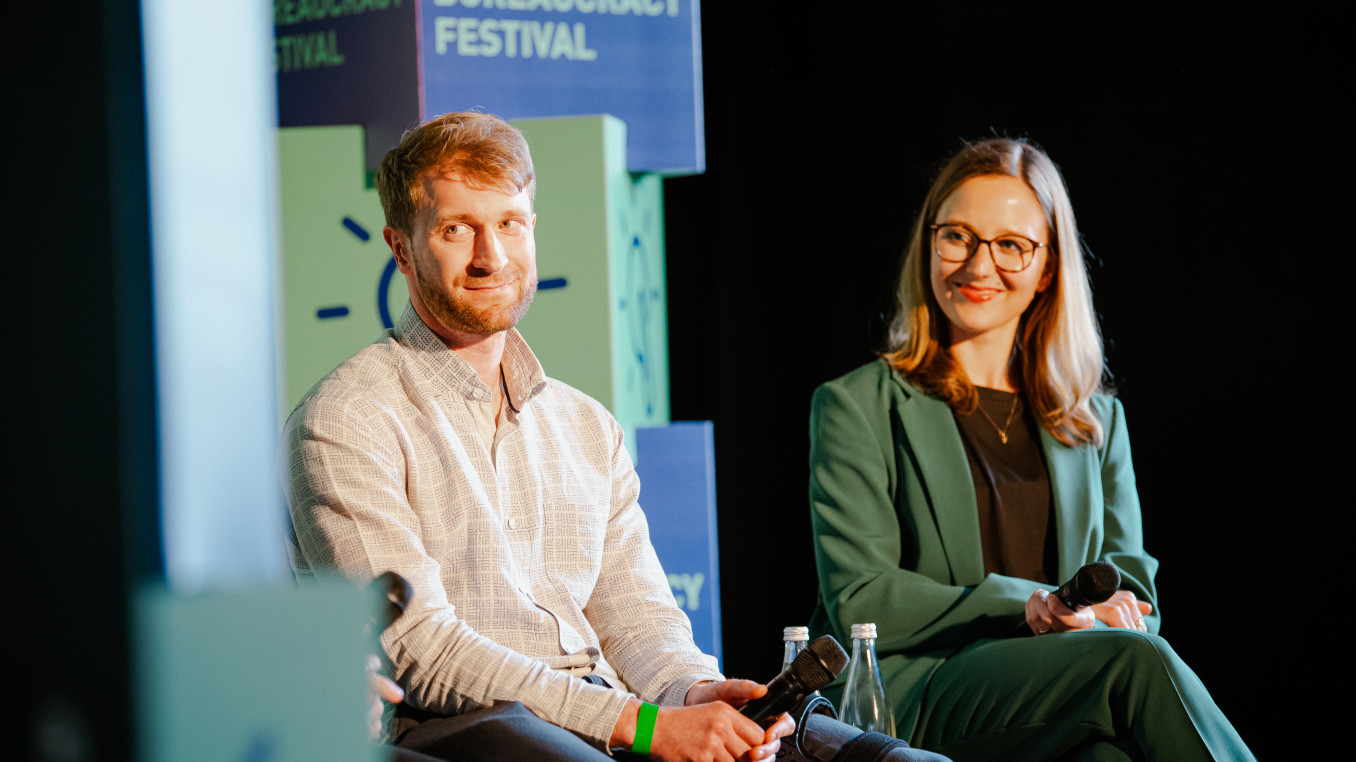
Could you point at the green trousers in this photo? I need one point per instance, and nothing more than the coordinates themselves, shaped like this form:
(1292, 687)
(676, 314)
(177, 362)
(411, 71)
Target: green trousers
(1103, 694)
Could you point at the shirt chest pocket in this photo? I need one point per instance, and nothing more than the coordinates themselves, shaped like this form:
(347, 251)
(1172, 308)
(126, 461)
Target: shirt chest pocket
(573, 543)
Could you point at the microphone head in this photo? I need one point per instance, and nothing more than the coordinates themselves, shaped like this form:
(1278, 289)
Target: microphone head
(819, 663)
(1096, 582)
(396, 592)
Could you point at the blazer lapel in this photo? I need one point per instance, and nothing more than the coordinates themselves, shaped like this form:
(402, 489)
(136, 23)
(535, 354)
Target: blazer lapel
(1076, 499)
(934, 444)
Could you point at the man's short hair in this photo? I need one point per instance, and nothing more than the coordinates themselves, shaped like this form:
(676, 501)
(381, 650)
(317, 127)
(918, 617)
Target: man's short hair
(484, 150)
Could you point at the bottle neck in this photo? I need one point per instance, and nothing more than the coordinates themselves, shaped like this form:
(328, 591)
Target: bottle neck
(864, 648)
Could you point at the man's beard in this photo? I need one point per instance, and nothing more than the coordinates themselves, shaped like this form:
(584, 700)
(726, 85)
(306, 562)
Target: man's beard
(462, 317)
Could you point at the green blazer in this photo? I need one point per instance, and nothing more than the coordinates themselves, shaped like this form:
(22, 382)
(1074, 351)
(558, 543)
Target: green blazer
(897, 531)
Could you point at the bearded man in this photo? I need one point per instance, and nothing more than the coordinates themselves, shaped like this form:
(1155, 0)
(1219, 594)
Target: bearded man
(444, 453)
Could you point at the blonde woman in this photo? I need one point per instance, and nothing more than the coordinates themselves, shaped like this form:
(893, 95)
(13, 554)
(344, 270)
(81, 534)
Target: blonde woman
(975, 466)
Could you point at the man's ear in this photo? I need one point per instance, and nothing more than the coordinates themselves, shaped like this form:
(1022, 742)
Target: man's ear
(400, 248)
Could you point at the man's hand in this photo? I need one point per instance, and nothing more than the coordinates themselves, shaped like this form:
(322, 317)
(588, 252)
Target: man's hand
(715, 731)
(709, 727)
(736, 693)
(379, 688)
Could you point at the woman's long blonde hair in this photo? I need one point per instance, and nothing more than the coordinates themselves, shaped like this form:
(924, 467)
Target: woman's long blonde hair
(1059, 347)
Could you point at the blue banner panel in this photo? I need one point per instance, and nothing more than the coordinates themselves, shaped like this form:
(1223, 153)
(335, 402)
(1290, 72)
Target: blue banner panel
(677, 468)
(639, 60)
(349, 62)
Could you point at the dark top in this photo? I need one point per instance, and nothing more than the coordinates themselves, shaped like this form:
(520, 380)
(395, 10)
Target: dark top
(1012, 487)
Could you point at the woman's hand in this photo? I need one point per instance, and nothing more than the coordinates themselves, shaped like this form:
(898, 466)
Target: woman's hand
(1122, 609)
(1047, 613)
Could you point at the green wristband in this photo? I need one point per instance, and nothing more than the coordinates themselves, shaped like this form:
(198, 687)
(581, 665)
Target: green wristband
(645, 718)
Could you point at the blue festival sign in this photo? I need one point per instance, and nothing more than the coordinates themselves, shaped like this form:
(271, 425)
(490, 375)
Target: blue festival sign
(349, 62)
(386, 64)
(677, 469)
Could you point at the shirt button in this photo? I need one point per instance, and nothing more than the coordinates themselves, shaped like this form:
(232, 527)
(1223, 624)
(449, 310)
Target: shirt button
(512, 523)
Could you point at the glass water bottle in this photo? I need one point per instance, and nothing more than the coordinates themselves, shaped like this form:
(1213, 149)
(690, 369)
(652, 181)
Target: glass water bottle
(865, 703)
(795, 639)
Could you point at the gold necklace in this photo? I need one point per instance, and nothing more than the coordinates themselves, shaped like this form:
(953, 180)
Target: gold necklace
(1003, 430)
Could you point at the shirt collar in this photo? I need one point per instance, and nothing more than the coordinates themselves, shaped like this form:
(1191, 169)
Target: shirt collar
(523, 376)
(430, 357)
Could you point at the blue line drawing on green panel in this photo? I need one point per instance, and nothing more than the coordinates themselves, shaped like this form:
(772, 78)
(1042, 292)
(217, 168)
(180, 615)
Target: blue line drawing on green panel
(637, 307)
(382, 285)
(356, 229)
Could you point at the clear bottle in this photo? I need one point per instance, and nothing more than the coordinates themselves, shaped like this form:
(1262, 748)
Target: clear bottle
(795, 640)
(865, 702)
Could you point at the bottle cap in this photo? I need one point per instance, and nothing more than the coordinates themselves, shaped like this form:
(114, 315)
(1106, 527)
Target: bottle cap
(796, 633)
(864, 631)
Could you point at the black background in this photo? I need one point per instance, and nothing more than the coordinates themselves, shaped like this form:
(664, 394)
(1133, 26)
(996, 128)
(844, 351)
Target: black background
(1198, 150)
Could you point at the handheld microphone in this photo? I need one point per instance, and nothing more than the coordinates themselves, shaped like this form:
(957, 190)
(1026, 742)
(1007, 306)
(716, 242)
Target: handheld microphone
(819, 663)
(395, 591)
(1094, 583)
